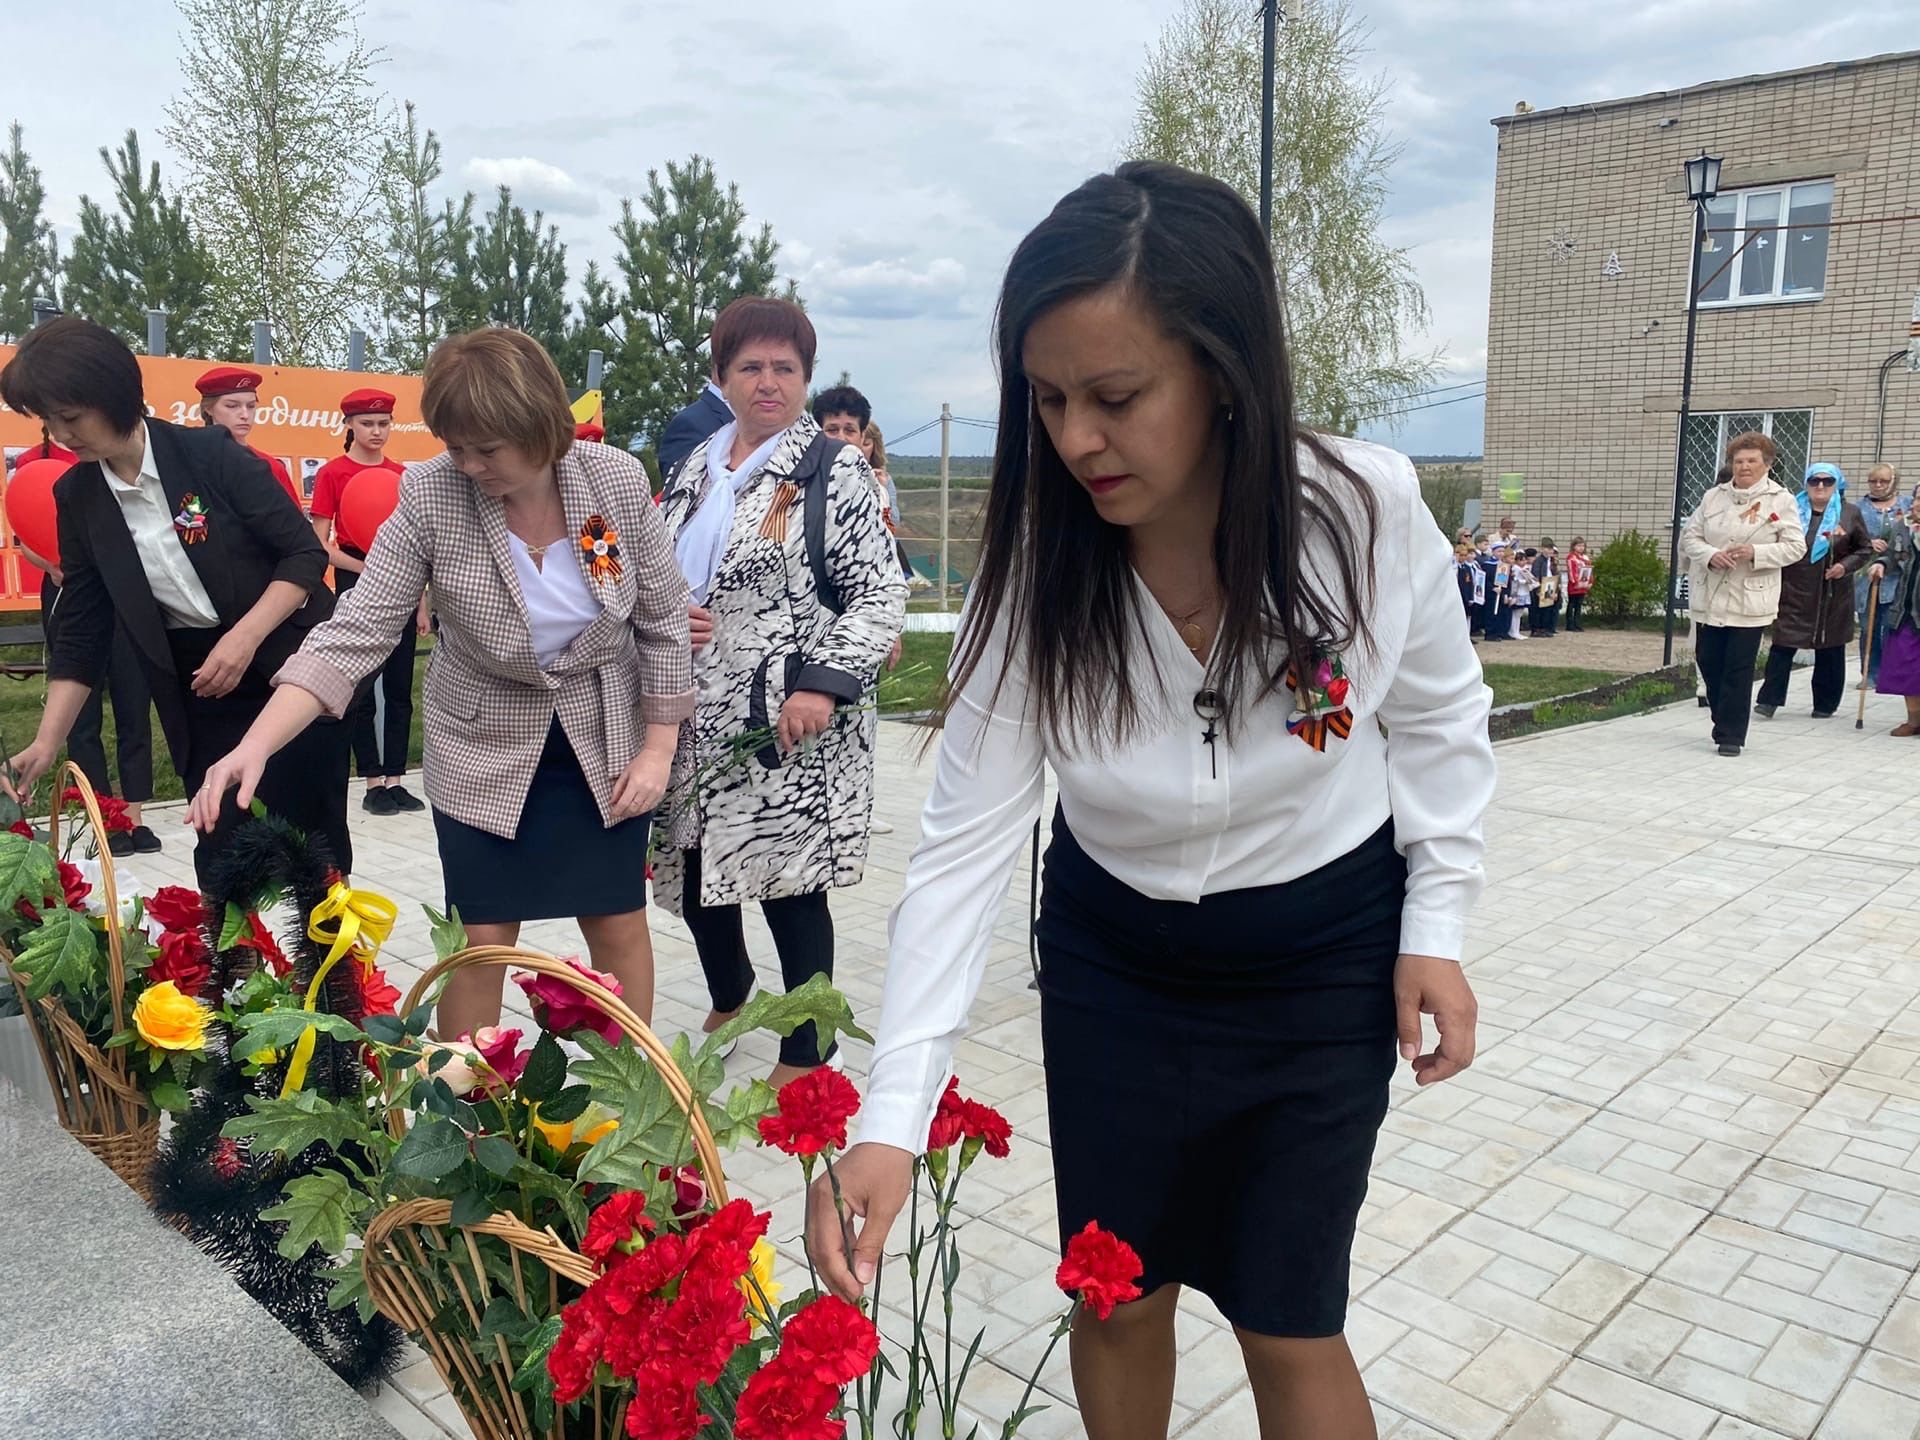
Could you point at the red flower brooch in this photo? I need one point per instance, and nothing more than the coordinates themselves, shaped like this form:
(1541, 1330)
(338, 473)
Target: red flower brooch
(191, 523)
(602, 544)
(1320, 709)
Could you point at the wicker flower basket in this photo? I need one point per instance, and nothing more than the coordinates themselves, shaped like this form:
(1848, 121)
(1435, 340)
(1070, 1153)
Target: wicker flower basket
(420, 1268)
(95, 1096)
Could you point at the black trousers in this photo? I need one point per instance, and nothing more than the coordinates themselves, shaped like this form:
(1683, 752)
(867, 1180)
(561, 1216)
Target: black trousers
(1545, 619)
(132, 714)
(383, 728)
(802, 929)
(1829, 677)
(305, 784)
(1725, 655)
(1575, 604)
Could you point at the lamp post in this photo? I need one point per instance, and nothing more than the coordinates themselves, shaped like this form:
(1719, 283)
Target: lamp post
(1269, 22)
(1703, 183)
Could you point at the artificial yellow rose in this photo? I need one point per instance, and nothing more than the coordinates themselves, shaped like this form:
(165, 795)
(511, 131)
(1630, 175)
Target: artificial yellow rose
(759, 1282)
(168, 1020)
(562, 1134)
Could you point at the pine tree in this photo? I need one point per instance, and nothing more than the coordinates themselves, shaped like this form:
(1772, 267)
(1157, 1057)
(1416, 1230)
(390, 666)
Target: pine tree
(144, 256)
(282, 127)
(520, 269)
(417, 270)
(680, 266)
(29, 256)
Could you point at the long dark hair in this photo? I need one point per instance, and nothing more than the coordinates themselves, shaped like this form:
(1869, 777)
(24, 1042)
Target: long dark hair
(1055, 574)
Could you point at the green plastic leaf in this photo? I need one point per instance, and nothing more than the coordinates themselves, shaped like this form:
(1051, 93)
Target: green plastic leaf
(470, 1207)
(434, 1149)
(62, 954)
(258, 809)
(170, 1095)
(653, 1132)
(386, 1029)
(350, 1288)
(496, 1154)
(288, 1126)
(235, 927)
(449, 935)
(532, 1374)
(816, 1000)
(419, 1018)
(503, 1318)
(318, 1209)
(27, 872)
(738, 1122)
(546, 1071)
(569, 1105)
(280, 1029)
(533, 1180)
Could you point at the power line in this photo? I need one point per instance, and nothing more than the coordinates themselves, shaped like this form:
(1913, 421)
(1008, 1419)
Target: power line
(1430, 405)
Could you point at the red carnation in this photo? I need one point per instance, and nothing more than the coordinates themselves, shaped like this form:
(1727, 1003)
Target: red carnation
(178, 908)
(949, 1121)
(1101, 1268)
(21, 827)
(74, 888)
(113, 809)
(723, 1244)
(813, 1113)
(665, 1406)
(830, 1342)
(258, 938)
(378, 995)
(620, 1224)
(987, 1125)
(183, 959)
(575, 1355)
(780, 1404)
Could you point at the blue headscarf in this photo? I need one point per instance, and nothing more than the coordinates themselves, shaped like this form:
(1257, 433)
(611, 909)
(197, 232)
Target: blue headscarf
(1830, 517)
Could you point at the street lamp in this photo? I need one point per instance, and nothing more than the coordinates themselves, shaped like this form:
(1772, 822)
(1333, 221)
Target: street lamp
(1703, 183)
(1269, 23)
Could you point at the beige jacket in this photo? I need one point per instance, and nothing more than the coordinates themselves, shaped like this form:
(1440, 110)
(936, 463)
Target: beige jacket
(1765, 516)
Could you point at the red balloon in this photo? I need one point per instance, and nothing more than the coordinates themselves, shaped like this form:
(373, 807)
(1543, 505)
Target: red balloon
(30, 510)
(366, 501)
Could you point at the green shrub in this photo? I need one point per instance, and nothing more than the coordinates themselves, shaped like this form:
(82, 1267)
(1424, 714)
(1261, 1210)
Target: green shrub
(1629, 579)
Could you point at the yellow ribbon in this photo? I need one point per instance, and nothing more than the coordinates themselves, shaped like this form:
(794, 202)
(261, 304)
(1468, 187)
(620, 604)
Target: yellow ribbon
(360, 923)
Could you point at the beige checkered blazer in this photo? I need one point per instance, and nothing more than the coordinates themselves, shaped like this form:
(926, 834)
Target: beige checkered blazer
(488, 704)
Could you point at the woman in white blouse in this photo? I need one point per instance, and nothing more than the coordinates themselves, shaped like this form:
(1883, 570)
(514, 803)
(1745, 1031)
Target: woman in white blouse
(1237, 643)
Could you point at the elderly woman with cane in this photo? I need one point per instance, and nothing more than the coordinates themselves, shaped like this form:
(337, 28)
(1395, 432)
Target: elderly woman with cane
(1900, 664)
(1816, 595)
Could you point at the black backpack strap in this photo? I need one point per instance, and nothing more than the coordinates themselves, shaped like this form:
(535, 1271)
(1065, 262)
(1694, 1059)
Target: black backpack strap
(811, 476)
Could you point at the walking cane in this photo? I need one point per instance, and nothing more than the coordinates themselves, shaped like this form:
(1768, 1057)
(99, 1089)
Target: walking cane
(1866, 655)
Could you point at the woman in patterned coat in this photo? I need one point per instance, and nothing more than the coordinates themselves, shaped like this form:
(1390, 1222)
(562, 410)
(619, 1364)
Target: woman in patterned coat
(797, 602)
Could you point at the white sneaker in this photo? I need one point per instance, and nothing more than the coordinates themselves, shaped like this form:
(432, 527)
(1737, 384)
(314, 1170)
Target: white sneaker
(880, 827)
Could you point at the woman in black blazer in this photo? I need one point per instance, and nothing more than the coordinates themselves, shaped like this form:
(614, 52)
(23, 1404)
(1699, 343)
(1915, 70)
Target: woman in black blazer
(187, 539)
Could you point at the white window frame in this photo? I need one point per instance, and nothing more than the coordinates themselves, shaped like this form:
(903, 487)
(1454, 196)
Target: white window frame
(1767, 417)
(1712, 260)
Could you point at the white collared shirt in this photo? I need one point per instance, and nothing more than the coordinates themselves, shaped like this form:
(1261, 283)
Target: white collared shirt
(183, 600)
(1175, 821)
(559, 604)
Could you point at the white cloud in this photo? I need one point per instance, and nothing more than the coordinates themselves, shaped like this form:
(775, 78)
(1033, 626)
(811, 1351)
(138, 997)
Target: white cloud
(889, 289)
(535, 184)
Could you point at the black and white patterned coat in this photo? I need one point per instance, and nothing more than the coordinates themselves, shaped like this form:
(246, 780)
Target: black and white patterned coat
(769, 823)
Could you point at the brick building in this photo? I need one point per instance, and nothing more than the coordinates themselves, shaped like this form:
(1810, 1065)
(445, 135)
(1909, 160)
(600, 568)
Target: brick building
(1587, 323)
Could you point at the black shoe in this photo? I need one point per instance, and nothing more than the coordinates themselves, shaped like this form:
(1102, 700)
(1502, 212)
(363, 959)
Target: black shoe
(1823, 714)
(404, 799)
(145, 842)
(120, 844)
(1765, 712)
(1702, 701)
(1729, 749)
(378, 801)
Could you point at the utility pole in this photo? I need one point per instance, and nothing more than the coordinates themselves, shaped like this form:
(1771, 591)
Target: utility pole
(946, 455)
(156, 332)
(1269, 23)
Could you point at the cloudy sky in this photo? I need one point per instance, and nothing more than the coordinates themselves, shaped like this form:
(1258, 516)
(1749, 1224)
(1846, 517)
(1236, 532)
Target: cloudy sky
(901, 149)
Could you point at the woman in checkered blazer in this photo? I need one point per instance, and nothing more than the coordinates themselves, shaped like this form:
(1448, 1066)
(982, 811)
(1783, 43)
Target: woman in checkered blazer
(562, 672)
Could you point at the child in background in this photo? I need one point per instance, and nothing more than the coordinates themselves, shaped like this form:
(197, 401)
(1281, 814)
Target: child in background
(1466, 573)
(1546, 592)
(1520, 586)
(1495, 566)
(1579, 581)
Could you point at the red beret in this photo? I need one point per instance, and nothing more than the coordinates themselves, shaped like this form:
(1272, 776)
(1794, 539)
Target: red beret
(366, 402)
(587, 430)
(226, 380)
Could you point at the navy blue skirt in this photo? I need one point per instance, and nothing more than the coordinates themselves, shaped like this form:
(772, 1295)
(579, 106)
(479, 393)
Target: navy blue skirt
(561, 863)
(1217, 1074)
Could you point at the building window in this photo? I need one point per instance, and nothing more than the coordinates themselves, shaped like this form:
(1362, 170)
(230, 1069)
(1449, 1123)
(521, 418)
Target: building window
(1788, 263)
(1704, 447)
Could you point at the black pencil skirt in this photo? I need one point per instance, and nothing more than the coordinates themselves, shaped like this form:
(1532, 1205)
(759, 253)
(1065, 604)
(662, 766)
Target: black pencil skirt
(562, 862)
(1217, 1074)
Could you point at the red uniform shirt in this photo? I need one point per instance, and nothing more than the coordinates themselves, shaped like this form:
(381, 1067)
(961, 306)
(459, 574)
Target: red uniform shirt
(331, 478)
(280, 473)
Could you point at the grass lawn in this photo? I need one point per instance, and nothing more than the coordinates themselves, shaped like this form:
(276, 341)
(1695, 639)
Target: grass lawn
(1514, 684)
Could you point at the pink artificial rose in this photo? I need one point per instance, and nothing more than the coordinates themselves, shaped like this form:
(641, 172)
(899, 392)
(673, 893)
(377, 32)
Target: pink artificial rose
(1322, 673)
(560, 1008)
(498, 1048)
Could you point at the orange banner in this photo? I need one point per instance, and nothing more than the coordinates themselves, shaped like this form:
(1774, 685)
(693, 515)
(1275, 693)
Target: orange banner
(299, 421)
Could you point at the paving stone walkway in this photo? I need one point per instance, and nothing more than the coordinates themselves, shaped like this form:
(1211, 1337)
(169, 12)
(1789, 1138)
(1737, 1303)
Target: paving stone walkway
(1679, 1194)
